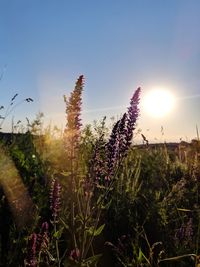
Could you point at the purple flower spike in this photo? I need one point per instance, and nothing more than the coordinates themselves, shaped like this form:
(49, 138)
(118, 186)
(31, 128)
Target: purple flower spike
(116, 146)
(122, 133)
(189, 230)
(184, 235)
(45, 227)
(43, 238)
(112, 148)
(133, 113)
(55, 194)
(31, 260)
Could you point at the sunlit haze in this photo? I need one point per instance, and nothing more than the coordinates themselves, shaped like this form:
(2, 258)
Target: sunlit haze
(118, 46)
(158, 103)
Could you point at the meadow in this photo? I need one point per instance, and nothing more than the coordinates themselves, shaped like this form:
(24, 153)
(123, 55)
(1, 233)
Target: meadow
(88, 196)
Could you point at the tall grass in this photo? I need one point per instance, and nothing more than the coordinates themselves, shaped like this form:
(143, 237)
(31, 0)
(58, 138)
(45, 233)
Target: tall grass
(90, 198)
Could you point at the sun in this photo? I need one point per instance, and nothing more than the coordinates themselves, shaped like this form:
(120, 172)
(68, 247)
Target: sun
(158, 103)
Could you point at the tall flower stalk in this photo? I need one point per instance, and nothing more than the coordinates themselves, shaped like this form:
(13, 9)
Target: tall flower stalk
(55, 202)
(72, 134)
(115, 150)
(73, 116)
(121, 136)
(85, 205)
(132, 116)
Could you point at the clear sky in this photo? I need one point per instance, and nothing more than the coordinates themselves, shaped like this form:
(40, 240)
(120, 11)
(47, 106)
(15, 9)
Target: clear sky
(117, 45)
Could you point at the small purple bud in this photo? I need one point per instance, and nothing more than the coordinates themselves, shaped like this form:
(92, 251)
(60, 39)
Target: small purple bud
(55, 196)
(75, 254)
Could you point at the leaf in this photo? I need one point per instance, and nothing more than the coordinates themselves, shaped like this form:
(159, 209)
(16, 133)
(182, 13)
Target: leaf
(29, 99)
(184, 210)
(14, 97)
(66, 173)
(58, 233)
(64, 224)
(92, 260)
(96, 232)
(99, 230)
(141, 256)
(107, 205)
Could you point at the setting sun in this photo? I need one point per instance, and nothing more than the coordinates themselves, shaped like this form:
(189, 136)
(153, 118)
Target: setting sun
(158, 103)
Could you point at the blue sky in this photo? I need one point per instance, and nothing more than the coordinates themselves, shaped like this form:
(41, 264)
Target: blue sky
(117, 45)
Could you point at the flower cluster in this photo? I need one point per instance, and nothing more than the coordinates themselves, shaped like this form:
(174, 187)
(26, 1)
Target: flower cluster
(112, 148)
(37, 243)
(73, 112)
(122, 133)
(133, 112)
(185, 233)
(31, 260)
(189, 230)
(43, 238)
(55, 196)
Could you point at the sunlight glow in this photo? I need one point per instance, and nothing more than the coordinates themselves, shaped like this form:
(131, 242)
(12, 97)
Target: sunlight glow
(158, 102)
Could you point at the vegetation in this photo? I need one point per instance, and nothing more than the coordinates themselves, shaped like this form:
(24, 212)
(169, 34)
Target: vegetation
(89, 197)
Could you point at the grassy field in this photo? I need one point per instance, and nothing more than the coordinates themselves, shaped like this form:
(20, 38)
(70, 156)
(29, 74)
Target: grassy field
(89, 197)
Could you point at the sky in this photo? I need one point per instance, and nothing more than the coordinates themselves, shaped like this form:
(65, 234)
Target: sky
(118, 45)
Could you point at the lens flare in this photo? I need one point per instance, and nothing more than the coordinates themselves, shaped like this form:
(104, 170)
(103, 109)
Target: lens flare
(15, 191)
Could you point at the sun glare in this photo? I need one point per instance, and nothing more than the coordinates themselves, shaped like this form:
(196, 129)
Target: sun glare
(158, 103)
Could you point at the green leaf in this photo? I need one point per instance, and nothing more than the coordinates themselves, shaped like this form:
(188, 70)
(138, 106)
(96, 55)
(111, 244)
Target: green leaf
(141, 256)
(58, 233)
(92, 260)
(99, 230)
(93, 232)
(64, 224)
(186, 210)
(106, 206)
